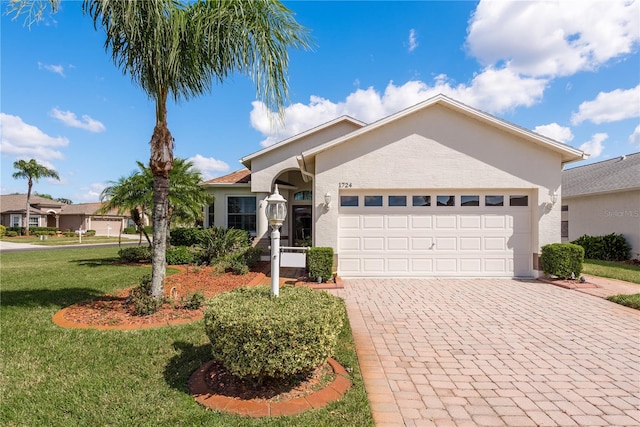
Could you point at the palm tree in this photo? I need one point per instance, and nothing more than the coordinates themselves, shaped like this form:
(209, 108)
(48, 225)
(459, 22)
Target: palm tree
(173, 49)
(31, 171)
(179, 49)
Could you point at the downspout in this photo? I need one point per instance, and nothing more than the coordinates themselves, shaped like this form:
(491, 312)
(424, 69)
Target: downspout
(306, 176)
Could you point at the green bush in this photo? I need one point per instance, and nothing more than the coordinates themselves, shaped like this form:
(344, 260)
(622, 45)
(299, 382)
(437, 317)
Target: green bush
(143, 304)
(179, 255)
(135, 254)
(11, 233)
(3, 230)
(130, 230)
(220, 242)
(563, 260)
(188, 236)
(256, 335)
(611, 247)
(194, 301)
(90, 233)
(18, 230)
(320, 263)
(69, 234)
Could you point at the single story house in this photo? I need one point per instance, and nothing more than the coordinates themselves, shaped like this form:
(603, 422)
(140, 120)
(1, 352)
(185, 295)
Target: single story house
(43, 212)
(603, 198)
(49, 213)
(438, 189)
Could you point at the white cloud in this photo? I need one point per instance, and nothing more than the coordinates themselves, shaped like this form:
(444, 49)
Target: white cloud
(57, 69)
(24, 140)
(413, 40)
(553, 39)
(208, 165)
(634, 138)
(610, 107)
(594, 147)
(91, 193)
(70, 119)
(492, 91)
(555, 131)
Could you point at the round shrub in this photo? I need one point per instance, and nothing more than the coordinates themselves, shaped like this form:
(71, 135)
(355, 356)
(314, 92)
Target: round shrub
(562, 260)
(3, 230)
(135, 254)
(256, 335)
(179, 255)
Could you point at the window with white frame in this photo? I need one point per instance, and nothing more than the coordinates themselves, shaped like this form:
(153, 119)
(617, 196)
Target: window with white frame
(241, 213)
(34, 221)
(16, 220)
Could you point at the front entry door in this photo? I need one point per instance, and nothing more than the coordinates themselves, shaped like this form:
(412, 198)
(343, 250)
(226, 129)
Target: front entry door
(302, 223)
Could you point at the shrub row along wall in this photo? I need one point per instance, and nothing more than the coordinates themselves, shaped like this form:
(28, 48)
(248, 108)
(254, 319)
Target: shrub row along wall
(612, 247)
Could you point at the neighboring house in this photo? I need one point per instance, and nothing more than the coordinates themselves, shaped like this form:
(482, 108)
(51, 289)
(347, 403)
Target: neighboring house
(42, 213)
(603, 198)
(85, 216)
(438, 189)
(49, 213)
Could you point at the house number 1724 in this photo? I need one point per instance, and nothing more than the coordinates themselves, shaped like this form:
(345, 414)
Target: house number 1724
(345, 185)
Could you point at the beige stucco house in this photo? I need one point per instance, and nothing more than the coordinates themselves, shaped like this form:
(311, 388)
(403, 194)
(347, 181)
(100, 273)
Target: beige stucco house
(45, 212)
(603, 198)
(438, 189)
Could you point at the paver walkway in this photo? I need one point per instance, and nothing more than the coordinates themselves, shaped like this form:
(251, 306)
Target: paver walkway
(494, 353)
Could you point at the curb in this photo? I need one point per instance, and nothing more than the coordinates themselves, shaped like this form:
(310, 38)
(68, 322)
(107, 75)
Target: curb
(259, 408)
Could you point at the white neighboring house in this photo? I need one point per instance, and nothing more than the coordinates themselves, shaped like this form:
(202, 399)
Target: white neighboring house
(439, 189)
(603, 198)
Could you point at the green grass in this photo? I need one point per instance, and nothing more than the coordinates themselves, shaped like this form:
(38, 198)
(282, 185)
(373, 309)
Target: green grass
(66, 241)
(632, 301)
(60, 377)
(612, 270)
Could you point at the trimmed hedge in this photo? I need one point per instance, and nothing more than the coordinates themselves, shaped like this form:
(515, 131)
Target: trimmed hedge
(136, 254)
(563, 260)
(3, 230)
(320, 263)
(179, 255)
(611, 247)
(255, 335)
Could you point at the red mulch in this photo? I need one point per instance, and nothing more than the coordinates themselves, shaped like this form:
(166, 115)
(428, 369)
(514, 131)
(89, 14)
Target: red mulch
(112, 310)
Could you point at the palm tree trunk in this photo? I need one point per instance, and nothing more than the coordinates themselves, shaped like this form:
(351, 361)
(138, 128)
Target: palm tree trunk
(161, 163)
(28, 208)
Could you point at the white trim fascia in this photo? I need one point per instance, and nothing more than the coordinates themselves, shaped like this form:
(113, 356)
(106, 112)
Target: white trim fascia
(246, 160)
(572, 154)
(600, 193)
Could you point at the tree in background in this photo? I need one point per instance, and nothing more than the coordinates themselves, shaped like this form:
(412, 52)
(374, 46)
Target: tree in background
(32, 171)
(186, 196)
(179, 49)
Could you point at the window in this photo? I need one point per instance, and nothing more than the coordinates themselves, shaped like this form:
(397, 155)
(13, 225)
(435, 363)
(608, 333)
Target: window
(241, 213)
(565, 208)
(303, 196)
(34, 221)
(518, 200)
(421, 200)
(469, 200)
(373, 200)
(494, 200)
(16, 220)
(446, 200)
(397, 200)
(348, 200)
(564, 229)
(211, 215)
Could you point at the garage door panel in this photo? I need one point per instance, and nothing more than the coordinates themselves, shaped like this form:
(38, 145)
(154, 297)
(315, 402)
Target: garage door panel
(421, 222)
(373, 222)
(435, 241)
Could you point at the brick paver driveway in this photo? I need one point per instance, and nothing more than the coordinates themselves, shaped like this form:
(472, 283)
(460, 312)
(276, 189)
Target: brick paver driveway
(494, 353)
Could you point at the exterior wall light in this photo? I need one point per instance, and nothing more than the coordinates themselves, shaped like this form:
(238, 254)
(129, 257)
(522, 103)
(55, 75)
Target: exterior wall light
(276, 213)
(327, 201)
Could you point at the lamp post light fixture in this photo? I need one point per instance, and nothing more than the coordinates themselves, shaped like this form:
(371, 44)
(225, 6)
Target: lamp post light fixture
(276, 213)
(327, 201)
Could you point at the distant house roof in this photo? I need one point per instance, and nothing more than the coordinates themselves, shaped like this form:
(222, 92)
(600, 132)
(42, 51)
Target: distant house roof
(17, 203)
(621, 173)
(85, 209)
(242, 176)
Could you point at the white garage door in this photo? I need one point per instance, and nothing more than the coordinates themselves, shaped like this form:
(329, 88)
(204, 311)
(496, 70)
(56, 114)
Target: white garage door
(456, 235)
(105, 226)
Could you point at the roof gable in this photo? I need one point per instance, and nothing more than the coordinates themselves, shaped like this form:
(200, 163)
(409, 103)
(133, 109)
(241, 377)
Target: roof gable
(18, 202)
(568, 153)
(621, 173)
(242, 176)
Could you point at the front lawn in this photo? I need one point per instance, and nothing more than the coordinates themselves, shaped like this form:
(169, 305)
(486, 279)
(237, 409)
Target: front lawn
(59, 377)
(612, 270)
(65, 241)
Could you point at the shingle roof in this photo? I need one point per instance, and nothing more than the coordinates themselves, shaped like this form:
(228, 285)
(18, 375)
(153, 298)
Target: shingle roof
(85, 209)
(621, 173)
(17, 202)
(242, 176)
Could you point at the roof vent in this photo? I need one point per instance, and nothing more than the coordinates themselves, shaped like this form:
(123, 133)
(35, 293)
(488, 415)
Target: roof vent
(623, 157)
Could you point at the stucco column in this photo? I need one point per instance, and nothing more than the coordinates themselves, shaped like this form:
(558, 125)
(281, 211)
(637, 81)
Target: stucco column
(262, 225)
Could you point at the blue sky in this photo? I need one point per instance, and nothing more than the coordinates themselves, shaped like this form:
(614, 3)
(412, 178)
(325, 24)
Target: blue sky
(569, 70)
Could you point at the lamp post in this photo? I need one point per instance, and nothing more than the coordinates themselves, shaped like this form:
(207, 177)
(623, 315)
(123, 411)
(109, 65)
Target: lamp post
(276, 213)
